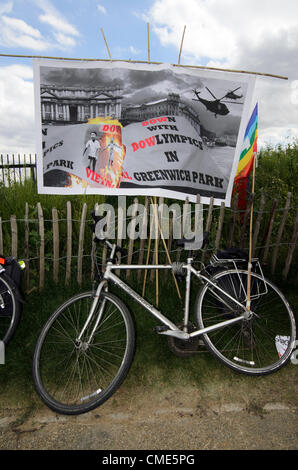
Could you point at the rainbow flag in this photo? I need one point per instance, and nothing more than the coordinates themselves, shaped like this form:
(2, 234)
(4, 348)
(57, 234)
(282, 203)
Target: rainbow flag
(246, 160)
(249, 146)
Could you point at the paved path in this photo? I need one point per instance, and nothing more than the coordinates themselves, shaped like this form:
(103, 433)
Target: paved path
(156, 423)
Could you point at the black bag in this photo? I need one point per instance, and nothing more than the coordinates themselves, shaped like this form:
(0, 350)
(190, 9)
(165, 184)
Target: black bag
(13, 271)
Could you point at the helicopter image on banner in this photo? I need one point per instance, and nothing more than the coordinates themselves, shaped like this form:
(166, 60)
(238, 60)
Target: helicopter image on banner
(217, 106)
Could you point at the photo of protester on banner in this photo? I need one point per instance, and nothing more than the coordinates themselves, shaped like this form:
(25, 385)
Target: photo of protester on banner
(127, 128)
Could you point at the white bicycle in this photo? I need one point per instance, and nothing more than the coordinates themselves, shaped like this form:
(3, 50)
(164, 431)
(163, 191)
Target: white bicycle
(86, 347)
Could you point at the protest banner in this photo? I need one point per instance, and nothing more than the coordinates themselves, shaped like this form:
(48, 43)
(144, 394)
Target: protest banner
(126, 128)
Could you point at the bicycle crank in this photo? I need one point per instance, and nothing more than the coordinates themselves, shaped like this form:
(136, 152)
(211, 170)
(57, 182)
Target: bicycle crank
(185, 347)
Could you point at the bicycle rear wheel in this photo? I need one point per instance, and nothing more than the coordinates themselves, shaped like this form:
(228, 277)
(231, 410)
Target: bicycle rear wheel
(74, 377)
(250, 346)
(10, 309)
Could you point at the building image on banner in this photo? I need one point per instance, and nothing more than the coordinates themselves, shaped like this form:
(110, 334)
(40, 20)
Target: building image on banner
(139, 129)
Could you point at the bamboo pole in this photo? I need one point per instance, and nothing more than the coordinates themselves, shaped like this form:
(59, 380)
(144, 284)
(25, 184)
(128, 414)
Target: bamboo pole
(250, 236)
(181, 45)
(106, 43)
(1, 238)
(203, 67)
(147, 257)
(143, 237)
(168, 255)
(121, 228)
(148, 41)
(131, 235)
(156, 251)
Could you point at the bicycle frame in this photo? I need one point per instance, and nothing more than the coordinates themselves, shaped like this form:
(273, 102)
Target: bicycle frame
(172, 330)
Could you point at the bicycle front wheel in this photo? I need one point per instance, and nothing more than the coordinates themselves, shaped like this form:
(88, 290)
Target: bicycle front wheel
(259, 345)
(74, 377)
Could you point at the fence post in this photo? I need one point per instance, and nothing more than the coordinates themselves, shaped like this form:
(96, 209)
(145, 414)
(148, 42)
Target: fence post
(269, 231)
(208, 225)
(220, 224)
(131, 234)
(233, 221)
(291, 249)
(93, 247)
(120, 229)
(81, 244)
(55, 244)
(244, 223)
(14, 236)
(41, 249)
(258, 223)
(68, 242)
(26, 247)
(105, 250)
(280, 232)
(143, 237)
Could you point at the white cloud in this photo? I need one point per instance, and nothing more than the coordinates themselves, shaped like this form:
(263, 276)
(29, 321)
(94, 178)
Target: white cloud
(20, 26)
(64, 32)
(58, 23)
(64, 40)
(16, 110)
(102, 9)
(16, 32)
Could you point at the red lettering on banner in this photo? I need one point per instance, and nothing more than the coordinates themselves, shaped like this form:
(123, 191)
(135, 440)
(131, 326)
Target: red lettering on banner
(150, 141)
(113, 129)
(154, 121)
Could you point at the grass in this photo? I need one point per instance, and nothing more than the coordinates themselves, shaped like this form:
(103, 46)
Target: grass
(155, 369)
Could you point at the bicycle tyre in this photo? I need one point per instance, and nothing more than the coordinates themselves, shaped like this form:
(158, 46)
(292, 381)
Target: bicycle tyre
(248, 347)
(90, 376)
(10, 309)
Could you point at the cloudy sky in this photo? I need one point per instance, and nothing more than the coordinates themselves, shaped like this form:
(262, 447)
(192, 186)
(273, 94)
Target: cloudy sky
(253, 35)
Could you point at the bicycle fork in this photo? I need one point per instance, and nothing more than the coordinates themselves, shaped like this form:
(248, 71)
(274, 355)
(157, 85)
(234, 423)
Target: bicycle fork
(78, 341)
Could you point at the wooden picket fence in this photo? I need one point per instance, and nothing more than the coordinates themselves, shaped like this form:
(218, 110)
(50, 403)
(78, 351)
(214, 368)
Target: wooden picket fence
(62, 246)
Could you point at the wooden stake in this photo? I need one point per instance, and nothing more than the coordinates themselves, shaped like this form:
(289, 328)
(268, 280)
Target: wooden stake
(55, 244)
(147, 257)
(68, 242)
(181, 45)
(148, 40)
(167, 253)
(250, 236)
(106, 44)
